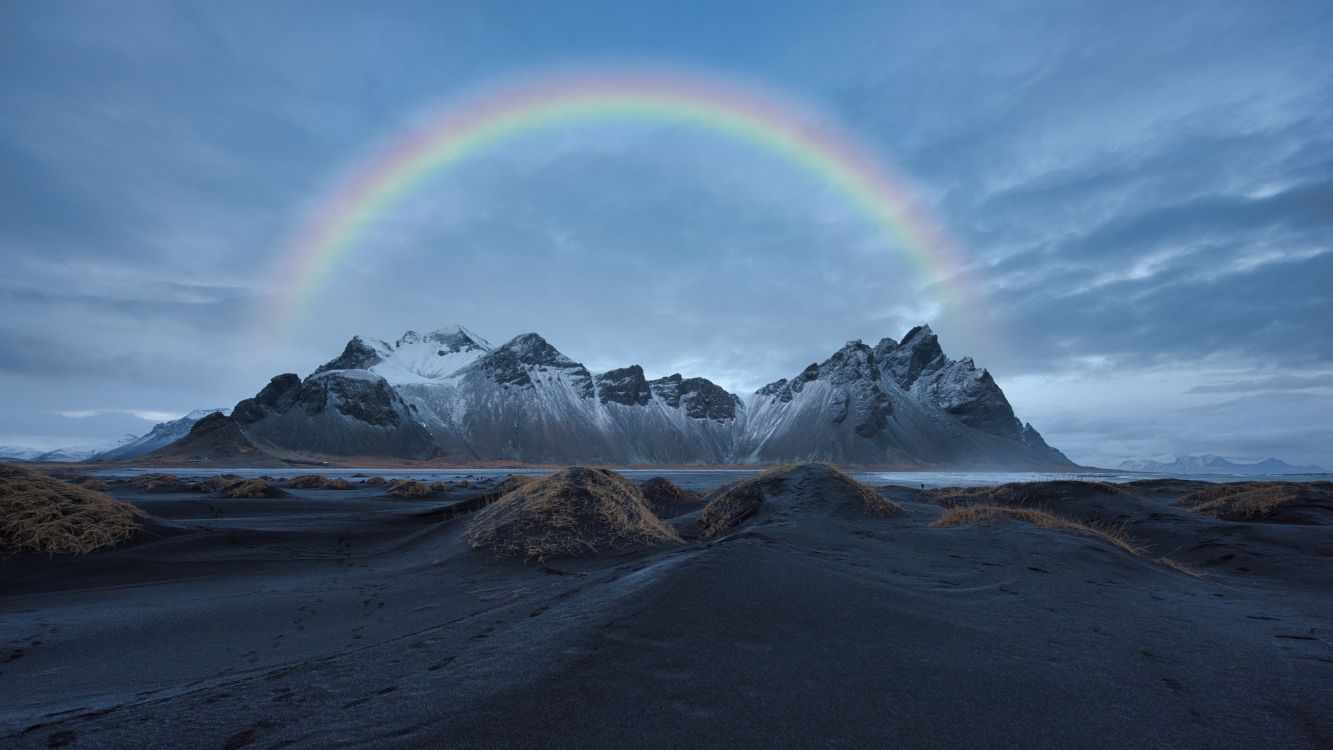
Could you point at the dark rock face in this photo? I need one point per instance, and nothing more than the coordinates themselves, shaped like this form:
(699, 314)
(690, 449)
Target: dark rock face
(700, 397)
(513, 363)
(449, 393)
(357, 355)
(919, 352)
(336, 414)
(626, 385)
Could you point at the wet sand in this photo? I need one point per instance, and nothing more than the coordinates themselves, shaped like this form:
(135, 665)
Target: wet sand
(346, 619)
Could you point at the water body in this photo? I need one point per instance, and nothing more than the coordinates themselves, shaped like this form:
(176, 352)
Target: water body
(704, 479)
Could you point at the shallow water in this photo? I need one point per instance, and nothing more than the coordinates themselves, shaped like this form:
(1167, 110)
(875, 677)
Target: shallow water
(703, 479)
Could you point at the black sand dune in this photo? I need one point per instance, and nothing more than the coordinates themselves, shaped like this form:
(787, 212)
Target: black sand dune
(340, 619)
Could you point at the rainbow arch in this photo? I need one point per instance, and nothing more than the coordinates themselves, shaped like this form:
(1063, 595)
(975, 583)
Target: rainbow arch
(482, 121)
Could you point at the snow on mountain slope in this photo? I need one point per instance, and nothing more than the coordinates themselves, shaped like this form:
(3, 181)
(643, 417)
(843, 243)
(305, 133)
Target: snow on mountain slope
(162, 434)
(449, 393)
(1208, 463)
(414, 358)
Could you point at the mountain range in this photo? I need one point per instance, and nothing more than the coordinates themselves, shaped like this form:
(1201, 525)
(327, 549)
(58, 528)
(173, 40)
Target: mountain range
(129, 446)
(1209, 464)
(451, 396)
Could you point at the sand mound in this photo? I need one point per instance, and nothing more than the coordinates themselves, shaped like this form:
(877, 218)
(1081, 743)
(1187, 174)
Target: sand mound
(964, 515)
(410, 488)
(251, 489)
(826, 487)
(41, 514)
(1282, 502)
(576, 511)
(159, 483)
(665, 498)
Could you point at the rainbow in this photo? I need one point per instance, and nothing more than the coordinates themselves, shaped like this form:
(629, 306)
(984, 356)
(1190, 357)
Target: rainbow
(485, 120)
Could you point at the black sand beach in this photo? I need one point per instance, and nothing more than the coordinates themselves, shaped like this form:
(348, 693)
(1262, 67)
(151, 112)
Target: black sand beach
(348, 618)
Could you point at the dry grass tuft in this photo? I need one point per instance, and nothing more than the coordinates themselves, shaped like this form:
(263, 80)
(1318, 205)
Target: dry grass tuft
(736, 502)
(217, 483)
(42, 514)
(1178, 567)
(440, 486)
(729, 507)
(661, 493)
(251, 488)
(871, 501)
(1246, 501)
(464, 484)
(409, 488)
(94, 484)
(158, 481)
(376, 481)
(984, 514)
(308, 482)
(576, 511)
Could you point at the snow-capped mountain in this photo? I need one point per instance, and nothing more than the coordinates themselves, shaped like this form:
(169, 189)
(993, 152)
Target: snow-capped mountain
(449, 394)
(1208, 463)
(67, 454)
(162, 434)
(129, 446)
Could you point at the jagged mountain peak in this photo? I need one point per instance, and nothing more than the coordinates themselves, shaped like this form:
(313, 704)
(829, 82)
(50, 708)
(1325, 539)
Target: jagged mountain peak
(532, 349)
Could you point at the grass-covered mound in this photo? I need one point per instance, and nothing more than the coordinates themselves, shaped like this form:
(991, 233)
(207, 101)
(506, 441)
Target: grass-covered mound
(410, 488)
(251, 489)
(971, 515)
(826, 485)
(159, 482)
(577, 511)
(41, 514)
(218, 483)
(1029, 494)
(1292, 502)
(665, 498)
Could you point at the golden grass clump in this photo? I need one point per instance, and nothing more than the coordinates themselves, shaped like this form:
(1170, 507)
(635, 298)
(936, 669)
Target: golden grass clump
(410, 488)
(1245, 501)
(464, 484)
(440, 486)
(158, 481)
(308, 482)
(217, 483)
(870, 501)
(661, 493)
(576, 511)
(94, 484)
(742, 499)
(376, 481)
(42, 514)
(251, 488)
(983, 514)
(729, 507)
(337, 483)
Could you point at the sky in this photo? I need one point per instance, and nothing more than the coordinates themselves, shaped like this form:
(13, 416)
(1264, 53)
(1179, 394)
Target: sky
(1140, 196)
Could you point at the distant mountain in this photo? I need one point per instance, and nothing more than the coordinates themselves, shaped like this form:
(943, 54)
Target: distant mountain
(70, 454)
(161, 435)
(1209, 464)
(450, 395)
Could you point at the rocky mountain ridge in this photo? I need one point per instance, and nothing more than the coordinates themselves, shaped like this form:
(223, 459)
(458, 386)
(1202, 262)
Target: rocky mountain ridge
(450, 395)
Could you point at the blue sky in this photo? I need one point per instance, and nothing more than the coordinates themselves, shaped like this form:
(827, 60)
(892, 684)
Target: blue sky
(1144, 192)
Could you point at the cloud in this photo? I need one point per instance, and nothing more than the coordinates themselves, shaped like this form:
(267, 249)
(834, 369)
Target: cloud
(1272, 383)
(148, 415)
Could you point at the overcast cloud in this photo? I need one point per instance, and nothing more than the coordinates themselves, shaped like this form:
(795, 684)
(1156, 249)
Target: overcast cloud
(1142, 192)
